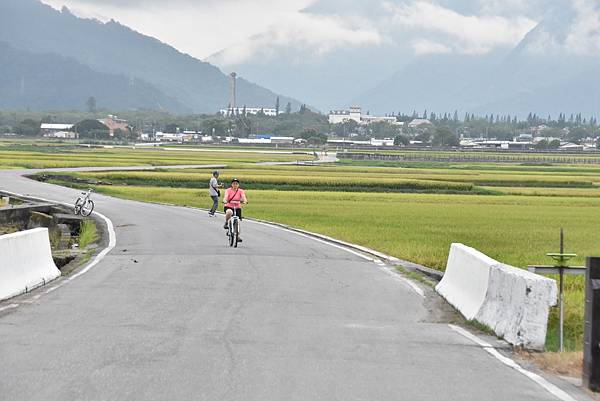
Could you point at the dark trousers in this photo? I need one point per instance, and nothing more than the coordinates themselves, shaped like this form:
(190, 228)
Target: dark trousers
(215, 204)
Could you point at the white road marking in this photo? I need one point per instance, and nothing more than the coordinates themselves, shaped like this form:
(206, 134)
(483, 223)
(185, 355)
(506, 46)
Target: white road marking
(551, 388)
(378, 262)
(7, 307)
(316, 239)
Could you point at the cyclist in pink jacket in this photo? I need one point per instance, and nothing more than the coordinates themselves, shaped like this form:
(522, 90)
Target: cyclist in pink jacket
(233, 199)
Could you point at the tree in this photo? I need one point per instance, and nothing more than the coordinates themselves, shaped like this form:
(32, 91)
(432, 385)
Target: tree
(542, 145)
(91, 104)
(443, 137)
(312, 136)
(92, 129)
(401, 140)
(215, 126)
(424, 136)
(383, 129)
(577, 134)
(171, 128)
(554, 144)
(121, 134)
(288, 108)
(345, 128)
(28, 127)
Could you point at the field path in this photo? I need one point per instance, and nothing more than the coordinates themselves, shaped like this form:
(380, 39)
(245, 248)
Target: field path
(173, 313)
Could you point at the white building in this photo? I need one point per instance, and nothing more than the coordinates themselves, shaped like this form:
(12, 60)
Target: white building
(417, 122)
(56, 130)
(249, 110)
(168, 137)
(370, 142)
(278, 140)
(355, 114)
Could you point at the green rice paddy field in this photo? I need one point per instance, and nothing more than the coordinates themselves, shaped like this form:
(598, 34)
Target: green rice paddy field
(512, 212)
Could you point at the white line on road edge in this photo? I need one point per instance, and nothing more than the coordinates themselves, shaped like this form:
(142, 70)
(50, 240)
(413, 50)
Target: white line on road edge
(112, 241)
(7, 307)
(382, 266)
(551, 388)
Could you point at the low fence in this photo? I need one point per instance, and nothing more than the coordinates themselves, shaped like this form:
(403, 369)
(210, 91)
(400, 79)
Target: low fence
(25, 262)
(513, 302)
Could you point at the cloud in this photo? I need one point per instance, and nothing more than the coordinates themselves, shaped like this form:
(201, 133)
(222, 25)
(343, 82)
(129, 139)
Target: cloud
(465, 34)
(584, 36)
(197, 27)
(303, 32)
(571, 30)
(426, 46)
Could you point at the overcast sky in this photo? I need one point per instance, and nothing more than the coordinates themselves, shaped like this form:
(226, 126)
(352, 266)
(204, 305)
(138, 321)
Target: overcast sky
(196, 27)
(240, 28)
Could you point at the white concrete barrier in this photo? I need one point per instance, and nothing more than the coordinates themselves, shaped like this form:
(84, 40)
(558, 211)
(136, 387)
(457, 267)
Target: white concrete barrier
(25, 262)
(513, 302)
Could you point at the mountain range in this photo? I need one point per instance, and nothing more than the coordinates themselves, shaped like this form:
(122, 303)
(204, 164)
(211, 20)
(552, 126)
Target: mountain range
(53, 59)
(546, 72)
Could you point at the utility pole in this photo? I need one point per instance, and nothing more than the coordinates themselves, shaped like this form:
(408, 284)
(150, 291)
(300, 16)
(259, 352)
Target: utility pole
(233, 92)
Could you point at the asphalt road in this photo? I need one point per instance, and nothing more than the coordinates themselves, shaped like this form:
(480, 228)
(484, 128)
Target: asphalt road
(174, 313)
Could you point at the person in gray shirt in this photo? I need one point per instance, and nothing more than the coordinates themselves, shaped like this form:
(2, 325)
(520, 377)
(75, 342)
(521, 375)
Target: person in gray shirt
(213, 191)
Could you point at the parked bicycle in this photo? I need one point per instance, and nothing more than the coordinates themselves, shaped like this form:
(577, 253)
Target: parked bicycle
(233, 226)
(84, 205)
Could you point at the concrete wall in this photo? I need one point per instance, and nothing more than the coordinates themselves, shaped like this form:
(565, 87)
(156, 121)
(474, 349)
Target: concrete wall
(513, 302)
(25, 262)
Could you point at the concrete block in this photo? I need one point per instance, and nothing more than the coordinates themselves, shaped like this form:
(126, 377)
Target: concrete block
(517, 305)
(25, 262)
(465, 281)
(513, 302)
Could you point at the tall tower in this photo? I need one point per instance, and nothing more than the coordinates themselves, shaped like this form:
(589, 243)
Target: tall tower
(233, 92)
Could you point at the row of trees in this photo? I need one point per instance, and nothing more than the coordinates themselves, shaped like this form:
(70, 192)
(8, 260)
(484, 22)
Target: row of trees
(532, 120)
(307, 124)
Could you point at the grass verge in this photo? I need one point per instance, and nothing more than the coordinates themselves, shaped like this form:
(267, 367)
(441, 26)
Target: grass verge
(88, 233)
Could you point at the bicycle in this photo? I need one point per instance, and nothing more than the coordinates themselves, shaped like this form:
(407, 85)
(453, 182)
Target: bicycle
(84, 205)
(233, 226)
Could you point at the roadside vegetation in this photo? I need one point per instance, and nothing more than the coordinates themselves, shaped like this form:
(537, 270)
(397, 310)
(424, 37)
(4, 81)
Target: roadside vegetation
(88, 233)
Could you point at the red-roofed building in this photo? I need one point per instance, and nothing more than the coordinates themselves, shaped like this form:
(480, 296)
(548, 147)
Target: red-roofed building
(114, 123)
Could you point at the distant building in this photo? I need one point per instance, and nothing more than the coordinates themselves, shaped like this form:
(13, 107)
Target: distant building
(340, 116)
(57, 130)
(114, 123)
(524, 138)
(417, 122)
(249, 110)
(485, 144)
(168, 137)
(370, 142)
(282, 140)
(265, 139)
(355, 114)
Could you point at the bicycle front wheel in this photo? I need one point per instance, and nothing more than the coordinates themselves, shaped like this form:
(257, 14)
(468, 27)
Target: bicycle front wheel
(231, 234)
(236, 233)
(77, 207)
(87, 208)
